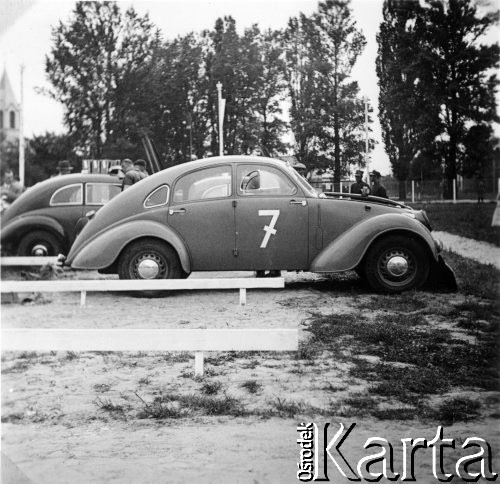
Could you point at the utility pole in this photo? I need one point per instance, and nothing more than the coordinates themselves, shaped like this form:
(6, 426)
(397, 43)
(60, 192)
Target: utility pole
(367, 146)
(21, 130)
(221, 104)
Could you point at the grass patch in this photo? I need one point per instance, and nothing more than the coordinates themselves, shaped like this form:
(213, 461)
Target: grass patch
(287, 408)
(465, 219)
(251, 386)
(458, 410)
(413, 360)
(178, 405)
(404, 303)
(211, 387)
(108, 406)
(474, 278)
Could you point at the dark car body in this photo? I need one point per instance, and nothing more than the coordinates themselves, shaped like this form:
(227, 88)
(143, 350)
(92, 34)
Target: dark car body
(253, 213)
(44, 220)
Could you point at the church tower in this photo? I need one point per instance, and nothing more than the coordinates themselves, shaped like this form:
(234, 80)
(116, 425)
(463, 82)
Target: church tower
(10, 111)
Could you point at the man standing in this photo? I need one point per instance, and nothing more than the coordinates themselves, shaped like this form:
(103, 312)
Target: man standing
(378, 190)
(359, 186)
(64, 168)
(11, 188)
(140, 166)
(131, 174)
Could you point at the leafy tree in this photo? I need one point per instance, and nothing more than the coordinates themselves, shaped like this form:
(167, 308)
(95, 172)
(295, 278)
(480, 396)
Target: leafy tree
(437, 85)
(45, 152)
(408, 115)
(327, 113)
(463, 75)
(89, 58)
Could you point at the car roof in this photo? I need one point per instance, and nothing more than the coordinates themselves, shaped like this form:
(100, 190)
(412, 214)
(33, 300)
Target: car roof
(38, 195)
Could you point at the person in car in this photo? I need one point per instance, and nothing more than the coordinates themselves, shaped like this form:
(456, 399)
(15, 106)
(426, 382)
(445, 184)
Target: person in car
(378, 190)
(359, 186)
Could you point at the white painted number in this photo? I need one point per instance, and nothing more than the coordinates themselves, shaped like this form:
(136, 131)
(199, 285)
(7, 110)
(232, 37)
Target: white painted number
(269, 229)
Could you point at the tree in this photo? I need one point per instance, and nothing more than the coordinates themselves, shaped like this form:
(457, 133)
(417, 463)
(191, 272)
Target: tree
(90, 57)
(408, 114)
(437, 83)
(45, 152)
(463, 75)
(327, 113)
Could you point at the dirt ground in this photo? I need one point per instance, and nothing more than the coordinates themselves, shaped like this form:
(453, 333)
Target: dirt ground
(78, 417)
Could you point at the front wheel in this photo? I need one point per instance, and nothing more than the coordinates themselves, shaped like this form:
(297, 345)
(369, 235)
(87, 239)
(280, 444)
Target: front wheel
(149, 259)
(396, 263)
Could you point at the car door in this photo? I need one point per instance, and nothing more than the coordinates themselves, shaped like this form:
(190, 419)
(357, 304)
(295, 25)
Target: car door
(272, 220)
(66, 206)
(201, 211)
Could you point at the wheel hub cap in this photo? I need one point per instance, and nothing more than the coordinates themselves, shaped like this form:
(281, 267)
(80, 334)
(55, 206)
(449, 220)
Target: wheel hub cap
(397, 266)
(39, 250)
(148, 269)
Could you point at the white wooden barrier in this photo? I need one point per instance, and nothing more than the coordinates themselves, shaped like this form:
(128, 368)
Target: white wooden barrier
(27, 261)
(82, 286)
(197, 340)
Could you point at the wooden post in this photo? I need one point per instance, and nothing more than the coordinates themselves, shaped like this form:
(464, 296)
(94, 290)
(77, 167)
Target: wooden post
(198, 363)
(83, 297)
(243, 296)
(413, 191)
(454, 190)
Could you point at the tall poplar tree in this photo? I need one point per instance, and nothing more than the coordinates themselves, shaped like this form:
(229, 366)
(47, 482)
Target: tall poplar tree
(327, 113)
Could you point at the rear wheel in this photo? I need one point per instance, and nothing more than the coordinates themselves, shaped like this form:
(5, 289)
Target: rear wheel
(149, 259)
(396, 263)
(39, 243)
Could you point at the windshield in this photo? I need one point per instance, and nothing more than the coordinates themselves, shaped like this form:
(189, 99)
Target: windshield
(302, 182)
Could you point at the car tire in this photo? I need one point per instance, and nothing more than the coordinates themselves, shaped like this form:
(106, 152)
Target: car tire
(149, 259)
(39, 243)
(396, 263)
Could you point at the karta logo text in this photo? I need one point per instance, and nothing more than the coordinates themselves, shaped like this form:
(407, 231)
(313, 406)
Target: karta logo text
(322, 459)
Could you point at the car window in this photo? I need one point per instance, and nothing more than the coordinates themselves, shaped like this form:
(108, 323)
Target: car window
(100, 193)
(263, 180)
(68, 195)
(157, 197)
(204, 184)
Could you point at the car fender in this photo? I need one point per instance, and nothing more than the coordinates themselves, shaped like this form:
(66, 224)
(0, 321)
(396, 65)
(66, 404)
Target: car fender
(16, 227)
(347, 251)
(104, 248)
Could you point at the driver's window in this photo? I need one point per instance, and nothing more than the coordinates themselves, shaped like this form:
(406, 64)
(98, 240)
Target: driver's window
(263, 180)
(204, 184)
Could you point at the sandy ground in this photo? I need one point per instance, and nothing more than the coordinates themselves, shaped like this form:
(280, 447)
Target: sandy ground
(56, 431)
(480, 251)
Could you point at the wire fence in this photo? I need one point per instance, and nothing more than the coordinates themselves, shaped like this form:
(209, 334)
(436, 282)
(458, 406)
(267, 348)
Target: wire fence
(425, 190)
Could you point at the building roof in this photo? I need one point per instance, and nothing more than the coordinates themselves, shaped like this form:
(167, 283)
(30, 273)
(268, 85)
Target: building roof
(7, 96)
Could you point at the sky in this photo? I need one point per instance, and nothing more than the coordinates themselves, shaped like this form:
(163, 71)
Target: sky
(25, 39)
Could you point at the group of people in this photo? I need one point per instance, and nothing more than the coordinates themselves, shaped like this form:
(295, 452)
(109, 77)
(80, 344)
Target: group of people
(128, 171)
(132, 172)
(362, 188)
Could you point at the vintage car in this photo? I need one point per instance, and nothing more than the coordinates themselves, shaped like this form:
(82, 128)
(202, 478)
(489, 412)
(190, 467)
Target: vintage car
(44, 220)
(251, 213)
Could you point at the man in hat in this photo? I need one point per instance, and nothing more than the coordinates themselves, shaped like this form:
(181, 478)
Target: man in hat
(378, 190)
(359, 186)
(64, 168)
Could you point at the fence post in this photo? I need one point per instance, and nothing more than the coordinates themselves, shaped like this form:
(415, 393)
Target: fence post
(413, 191)
(198, 363)
(454, 190)
(498, 186)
